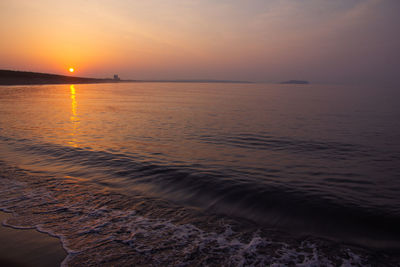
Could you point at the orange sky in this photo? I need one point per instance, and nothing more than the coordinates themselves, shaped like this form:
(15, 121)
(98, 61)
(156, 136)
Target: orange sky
(319, 40)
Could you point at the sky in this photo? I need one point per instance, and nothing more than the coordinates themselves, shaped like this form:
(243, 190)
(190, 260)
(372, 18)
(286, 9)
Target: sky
(326, 41)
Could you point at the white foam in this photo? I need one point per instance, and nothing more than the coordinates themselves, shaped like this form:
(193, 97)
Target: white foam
(89, 226)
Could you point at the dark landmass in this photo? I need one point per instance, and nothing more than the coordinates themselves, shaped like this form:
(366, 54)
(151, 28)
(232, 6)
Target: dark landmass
(295, 82)
(10, 77)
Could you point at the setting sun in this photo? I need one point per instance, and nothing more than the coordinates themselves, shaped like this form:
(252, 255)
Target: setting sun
(71, 70)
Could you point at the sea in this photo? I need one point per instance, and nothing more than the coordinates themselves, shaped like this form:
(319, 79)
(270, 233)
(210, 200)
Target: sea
(205, 174)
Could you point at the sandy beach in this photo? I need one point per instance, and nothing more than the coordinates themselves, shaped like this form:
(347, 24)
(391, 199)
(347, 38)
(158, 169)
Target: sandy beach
(28, 247)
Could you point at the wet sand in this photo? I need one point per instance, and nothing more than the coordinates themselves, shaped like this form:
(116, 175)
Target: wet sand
(21, 247)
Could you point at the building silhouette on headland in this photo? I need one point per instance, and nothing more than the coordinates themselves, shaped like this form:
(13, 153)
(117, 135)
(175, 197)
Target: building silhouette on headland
(116, 78)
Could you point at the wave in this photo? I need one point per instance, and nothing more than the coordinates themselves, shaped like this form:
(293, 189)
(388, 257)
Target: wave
(101, 227)
(273, 143)
(309, 209)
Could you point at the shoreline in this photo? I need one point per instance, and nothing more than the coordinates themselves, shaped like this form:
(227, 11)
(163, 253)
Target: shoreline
(111, 224)
(28, 247)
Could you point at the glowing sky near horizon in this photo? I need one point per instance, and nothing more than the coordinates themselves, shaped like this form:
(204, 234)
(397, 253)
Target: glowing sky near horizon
(319, 40)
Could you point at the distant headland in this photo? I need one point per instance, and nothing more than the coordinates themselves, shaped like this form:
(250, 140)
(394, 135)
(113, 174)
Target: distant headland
(295, 82)
(11, 77)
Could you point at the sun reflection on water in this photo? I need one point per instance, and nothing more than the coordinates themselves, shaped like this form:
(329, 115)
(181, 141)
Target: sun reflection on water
(74, 117)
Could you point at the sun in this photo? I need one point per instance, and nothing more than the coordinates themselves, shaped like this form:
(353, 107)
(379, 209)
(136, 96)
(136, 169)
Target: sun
(71, 70)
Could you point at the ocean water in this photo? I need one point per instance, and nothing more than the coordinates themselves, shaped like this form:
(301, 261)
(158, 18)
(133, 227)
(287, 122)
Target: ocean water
(184, 174)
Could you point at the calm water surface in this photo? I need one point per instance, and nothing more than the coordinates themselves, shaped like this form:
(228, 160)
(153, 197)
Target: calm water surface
(314, 160)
